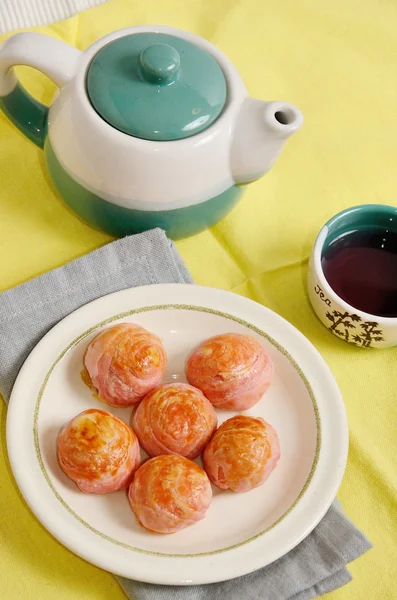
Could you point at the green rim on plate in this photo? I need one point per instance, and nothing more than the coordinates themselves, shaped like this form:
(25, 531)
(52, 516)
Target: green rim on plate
(175, 307)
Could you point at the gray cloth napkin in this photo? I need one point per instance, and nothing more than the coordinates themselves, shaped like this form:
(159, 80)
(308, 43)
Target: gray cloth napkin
(28, 311)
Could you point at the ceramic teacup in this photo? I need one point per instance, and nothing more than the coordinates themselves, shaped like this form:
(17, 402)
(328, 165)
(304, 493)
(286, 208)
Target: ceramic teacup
(344, 320)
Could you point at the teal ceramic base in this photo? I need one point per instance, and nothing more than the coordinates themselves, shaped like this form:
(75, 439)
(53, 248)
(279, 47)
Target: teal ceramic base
(119, 221)
(26, 113)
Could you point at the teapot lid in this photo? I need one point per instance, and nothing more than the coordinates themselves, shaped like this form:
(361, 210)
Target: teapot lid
(156, 86)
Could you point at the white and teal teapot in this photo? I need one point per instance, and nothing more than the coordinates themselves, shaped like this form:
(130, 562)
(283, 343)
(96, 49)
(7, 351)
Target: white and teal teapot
(152, 127)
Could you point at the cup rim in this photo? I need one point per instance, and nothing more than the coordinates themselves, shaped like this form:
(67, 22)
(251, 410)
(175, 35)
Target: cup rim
(317, 251)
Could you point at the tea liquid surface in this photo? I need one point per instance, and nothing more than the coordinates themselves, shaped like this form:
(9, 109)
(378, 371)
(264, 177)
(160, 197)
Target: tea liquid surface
(361, 267)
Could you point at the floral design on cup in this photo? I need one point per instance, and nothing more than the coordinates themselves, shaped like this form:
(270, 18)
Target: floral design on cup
(343, 325)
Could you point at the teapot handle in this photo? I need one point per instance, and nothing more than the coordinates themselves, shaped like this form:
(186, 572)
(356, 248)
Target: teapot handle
(54, 58)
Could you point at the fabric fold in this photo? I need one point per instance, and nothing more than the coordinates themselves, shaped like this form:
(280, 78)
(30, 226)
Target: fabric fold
(27, 312)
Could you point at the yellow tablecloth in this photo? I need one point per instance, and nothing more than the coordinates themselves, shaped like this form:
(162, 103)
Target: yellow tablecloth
(337, 62)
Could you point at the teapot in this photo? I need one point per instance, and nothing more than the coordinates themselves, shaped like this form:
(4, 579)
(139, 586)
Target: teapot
(151, 127)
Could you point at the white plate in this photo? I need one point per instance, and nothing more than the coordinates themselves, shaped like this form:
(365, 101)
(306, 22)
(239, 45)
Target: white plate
(241, 532)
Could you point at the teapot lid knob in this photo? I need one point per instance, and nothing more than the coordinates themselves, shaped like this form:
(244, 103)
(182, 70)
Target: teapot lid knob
(159, 64)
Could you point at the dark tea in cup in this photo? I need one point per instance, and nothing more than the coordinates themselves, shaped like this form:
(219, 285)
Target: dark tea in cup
(361, 267)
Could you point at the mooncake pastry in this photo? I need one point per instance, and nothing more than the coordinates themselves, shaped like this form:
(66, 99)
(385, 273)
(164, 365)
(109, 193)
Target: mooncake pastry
(174, 418)
(98, 451)
(169, 493)
(232, 370)
(123, 363)
(242, 454)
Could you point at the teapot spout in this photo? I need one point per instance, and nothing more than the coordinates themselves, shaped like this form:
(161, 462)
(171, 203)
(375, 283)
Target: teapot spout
(261, 131)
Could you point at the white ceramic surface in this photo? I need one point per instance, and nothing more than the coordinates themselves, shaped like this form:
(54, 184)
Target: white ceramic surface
(241, 145)
(242, 532)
